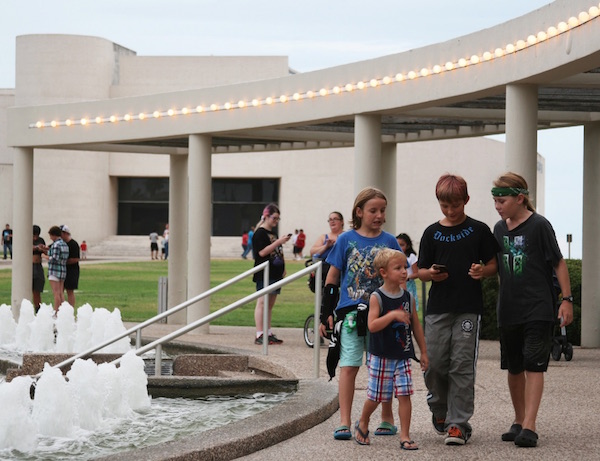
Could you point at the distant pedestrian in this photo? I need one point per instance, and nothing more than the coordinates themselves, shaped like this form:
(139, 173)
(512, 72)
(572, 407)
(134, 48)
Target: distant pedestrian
(153, 245)
(248, 248)
(166, 241)
(244, 244)
(7, 240)
(84, 249)
(39, 279)
(58, 253)
(72, 279)
(300, 243)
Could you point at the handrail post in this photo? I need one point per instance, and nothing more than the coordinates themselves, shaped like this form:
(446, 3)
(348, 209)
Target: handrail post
(266, 283)
(317, 320)
(158, 360)
(138, 338)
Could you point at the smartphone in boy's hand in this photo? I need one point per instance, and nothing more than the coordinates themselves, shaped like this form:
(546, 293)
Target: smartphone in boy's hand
(440, 268)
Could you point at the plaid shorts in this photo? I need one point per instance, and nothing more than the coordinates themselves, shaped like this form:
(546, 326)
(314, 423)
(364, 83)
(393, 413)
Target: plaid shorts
(388, 377)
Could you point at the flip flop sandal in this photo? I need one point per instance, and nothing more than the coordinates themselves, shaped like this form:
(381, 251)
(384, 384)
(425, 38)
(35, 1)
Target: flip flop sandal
(365, 437)
(512, 433)
(342, 433)
(386, 428)
(408, 445)
(527, 439)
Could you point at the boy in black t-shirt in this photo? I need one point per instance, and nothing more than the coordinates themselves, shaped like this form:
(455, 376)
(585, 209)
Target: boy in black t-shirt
(455, 253)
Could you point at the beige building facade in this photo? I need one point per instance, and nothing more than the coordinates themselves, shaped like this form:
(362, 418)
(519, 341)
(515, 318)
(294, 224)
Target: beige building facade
(81, 187)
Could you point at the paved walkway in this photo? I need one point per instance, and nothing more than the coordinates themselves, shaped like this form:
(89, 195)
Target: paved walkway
(568, 422)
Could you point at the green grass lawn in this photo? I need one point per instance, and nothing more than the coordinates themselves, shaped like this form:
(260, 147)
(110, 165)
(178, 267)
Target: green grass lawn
(133, 288)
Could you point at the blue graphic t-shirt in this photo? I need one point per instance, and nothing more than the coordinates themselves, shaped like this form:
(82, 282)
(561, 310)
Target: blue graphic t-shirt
(353, 256)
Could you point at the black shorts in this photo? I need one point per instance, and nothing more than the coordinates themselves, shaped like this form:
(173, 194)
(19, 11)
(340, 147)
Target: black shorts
(39, 279)
(72, 280)
(154, 246)
(526, 347)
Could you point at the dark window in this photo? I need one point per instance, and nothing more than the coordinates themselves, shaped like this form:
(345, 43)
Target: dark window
(237, 204)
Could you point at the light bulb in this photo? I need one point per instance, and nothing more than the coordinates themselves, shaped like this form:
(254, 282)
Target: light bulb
(573, 22)
(349, 87)
(399, 77)
(520, 44)
(583, 17)
(255, 102)
(113, 119)
(98, 120)
(360, 85)
(487, 55)
(53, 124)
(510, 48)
(296, 96)
(532, 39)
(449, 65)
(424, 72)
(462, 62)
(499, 52)
(336, 90)
(542, 36)
(269, 100)
(170, 112)
(185, 111)
(127, 117)
(562, 26)
(310, 94)
(474, 59)
(323, 92)
(412, 75)
(39, 124)
(241, 104)
(387, 80)
(437, 69)
(552, 31)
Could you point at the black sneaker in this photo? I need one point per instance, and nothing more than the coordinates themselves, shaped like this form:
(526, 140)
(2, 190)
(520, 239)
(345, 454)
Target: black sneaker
(259, 340)
(438, 425)
(274, 339)
(456, 436)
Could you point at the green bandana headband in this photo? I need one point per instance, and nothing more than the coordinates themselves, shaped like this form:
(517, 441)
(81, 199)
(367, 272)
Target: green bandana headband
(508, 191)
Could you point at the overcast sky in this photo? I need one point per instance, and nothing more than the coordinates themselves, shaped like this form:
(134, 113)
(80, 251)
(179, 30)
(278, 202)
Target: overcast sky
(314, 34)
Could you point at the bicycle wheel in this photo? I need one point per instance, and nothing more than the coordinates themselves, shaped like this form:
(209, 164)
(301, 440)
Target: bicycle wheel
(309, 331)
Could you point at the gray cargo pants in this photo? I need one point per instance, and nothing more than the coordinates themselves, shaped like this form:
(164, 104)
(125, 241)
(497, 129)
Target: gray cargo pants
(452, 346)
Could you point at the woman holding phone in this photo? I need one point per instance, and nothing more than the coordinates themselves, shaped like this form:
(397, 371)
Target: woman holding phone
(267, 246)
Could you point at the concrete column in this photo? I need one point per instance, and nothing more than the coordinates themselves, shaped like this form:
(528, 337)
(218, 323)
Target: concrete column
(393, 192)
(590, 289)
(199, 224)
(367, 152)
(521, 133)
(22, 227)
(178, 236)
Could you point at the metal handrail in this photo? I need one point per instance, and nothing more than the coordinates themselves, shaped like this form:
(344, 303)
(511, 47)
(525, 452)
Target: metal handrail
(138, 328)
(157, 344)
(317, 266)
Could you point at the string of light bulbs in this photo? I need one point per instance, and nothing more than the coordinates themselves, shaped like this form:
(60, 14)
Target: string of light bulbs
(475, 59)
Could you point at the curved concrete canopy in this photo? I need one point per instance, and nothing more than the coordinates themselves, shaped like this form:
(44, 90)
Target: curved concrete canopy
(556, 48)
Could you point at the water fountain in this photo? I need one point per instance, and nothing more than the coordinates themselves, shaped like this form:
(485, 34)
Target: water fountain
(98, 409)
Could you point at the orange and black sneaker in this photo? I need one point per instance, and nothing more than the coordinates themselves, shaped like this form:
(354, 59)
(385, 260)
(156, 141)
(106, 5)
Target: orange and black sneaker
(456, 436)
(439, 425)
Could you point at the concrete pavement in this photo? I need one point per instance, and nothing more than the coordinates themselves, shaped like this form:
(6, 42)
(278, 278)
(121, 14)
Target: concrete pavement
(568, 422)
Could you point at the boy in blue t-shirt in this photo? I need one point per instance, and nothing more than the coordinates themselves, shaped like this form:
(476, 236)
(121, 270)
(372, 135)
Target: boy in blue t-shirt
(392, 318)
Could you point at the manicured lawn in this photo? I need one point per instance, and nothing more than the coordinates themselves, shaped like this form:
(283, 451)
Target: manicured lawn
(133, 288)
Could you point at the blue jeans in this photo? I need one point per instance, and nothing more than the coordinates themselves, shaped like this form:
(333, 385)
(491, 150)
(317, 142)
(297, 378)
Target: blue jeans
(8, 246)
